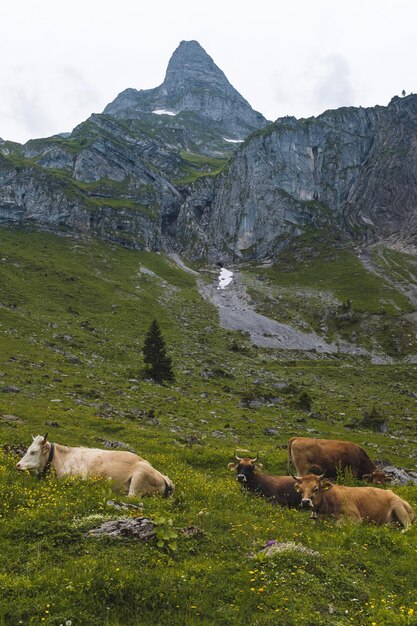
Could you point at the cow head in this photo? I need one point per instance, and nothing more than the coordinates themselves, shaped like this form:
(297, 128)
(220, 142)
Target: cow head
(311, 488)
(378, 477)
(36, 456)
(245, 468)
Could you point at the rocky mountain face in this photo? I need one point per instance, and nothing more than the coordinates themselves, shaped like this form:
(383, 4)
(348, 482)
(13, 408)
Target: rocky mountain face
(167, 168)
(123, 175)
(351, 171)
(382, 203)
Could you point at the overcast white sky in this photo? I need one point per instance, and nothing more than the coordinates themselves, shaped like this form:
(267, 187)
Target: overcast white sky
(62, 60)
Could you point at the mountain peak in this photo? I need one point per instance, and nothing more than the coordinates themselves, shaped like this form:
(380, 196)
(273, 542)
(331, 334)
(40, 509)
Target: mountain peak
(190, 64)
(189, 52)
(190, 46)
(193, 84)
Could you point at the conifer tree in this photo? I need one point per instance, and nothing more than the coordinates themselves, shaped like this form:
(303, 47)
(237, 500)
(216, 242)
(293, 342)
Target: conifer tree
(155, 355)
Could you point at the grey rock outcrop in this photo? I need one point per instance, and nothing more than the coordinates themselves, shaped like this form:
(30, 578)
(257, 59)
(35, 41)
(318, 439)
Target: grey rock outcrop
(382, 203)
(352, 170)
(33, 195)
(140, 528)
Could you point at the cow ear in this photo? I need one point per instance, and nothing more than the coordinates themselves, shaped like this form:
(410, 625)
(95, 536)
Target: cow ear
(258, 465)
(326, 485)
(232, 466)
(297, 487)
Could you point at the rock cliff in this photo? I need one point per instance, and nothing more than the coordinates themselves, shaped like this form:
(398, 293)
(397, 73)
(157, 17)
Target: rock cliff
(352, 170)
(382, 203)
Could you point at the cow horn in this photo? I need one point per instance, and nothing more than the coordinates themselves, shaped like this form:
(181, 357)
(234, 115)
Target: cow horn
(297, 478)
(321, 476)
(45, 438)
(238, 457)
(253, 460)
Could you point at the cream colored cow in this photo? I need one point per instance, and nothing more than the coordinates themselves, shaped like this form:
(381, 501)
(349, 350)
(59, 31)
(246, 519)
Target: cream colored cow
(127, 471)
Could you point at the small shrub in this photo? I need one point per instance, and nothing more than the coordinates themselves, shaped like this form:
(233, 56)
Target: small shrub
(375, 420)
(345, 476)
(304, 401)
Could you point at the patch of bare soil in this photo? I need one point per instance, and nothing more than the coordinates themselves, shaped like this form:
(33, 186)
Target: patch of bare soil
(237, 313)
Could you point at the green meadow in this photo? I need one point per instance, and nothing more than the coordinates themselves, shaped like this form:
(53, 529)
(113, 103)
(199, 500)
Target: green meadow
(328, 290)
(73, 315)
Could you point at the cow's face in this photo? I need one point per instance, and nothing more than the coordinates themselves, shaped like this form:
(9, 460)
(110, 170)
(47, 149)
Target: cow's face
(378, 477)
(245, 468)
(36, 455)
(311, 488)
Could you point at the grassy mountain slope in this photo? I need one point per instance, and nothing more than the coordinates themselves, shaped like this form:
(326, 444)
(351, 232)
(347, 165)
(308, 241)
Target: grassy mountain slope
(332, 292)
(73, 315)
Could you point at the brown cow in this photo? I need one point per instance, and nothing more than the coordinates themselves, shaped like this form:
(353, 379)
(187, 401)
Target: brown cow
(329, 456)
(353, 503)
(280, 489)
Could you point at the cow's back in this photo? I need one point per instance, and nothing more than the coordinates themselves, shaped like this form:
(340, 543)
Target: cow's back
(367, 503)
(328, 456)
(306, 455)
(126, 470)
(89, 462)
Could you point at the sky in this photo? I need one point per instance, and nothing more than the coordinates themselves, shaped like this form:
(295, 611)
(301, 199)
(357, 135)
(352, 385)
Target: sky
(63, 60)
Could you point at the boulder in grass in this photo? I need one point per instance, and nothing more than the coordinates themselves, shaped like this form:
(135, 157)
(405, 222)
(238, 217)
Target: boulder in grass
(11, 418)
(140, 528)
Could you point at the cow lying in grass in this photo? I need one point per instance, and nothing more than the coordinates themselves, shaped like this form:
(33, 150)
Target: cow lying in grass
(355, 504)
(280, 489)
(127, 471)
(330, 456)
